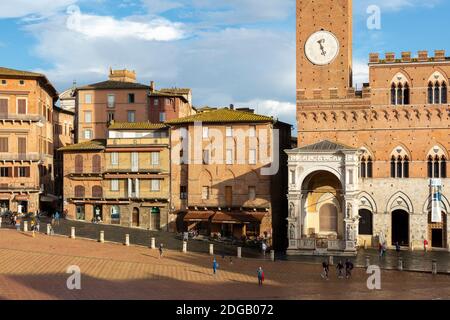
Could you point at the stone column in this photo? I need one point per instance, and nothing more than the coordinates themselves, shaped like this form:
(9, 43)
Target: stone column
(127, 240)
(72, 233)
(211, 249)
(239, 252)
(272, 255)
(49, 229)
(184, 246)
(0, 222)
(102, 237)
(25, 226)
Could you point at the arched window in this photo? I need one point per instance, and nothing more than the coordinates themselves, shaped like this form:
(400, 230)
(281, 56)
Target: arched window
(443, 167)
(97, 192)
(430, 93)
(79, 192)
(436, 167)
(400, 163)
(393, 167)
(437, 163)
(369, 168)
(362, 168)
(400, 91)
(96, 164)
(437, 89)
(444, 93)
(406, 167)
(406, 94)
(437, 93)
(399, 167)
(430, 167)
(393, 94)
(79, 164)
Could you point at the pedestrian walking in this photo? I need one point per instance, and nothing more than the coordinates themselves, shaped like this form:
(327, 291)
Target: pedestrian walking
(161, 250)
(425, 244)
(264, 248)
(17, 223)
(340, 269)
(348, 269)
(57, 216)
(325, 270)
(215, 266)
(260, 273)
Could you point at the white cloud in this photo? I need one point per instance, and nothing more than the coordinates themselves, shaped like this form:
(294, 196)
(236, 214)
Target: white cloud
(39, 8)
(221, 66)
(282, 110)
(108, 27)
(360, 72)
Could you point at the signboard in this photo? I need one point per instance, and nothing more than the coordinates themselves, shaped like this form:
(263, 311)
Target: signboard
(436, 194)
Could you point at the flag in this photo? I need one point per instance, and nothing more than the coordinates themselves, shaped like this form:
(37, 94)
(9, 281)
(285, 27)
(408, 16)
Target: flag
(436, 215)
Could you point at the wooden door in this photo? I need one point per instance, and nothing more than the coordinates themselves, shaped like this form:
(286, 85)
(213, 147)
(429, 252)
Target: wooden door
(135, 221)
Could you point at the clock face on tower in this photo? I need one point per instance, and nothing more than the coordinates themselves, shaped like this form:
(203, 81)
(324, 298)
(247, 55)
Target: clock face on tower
(322, 48)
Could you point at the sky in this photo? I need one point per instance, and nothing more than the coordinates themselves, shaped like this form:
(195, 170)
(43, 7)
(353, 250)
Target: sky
(239, 52)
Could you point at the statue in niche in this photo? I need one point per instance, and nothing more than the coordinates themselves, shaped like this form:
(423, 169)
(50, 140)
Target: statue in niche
(291, 210)
(292, 232)
(349, 211)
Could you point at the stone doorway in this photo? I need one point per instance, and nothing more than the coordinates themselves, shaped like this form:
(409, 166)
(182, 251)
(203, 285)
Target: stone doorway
(438, 232)
(135, 218)
(400, 228)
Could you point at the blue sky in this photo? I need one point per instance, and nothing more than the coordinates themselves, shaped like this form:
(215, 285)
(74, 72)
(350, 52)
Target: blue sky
(231, 51)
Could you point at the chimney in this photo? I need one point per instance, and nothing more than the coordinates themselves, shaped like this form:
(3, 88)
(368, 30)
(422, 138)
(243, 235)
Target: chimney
(152, 86)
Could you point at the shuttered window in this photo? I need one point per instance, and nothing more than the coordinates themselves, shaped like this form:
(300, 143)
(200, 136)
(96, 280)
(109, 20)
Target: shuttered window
(22, 172)
(22, 145)
(3, 107)
(21, 106)
(4, 144)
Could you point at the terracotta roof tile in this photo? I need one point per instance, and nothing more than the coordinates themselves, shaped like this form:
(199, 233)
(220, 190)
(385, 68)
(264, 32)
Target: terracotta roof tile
(19, 73)
(114, 85)
(136, 126)
(87, 145)
(222, 116)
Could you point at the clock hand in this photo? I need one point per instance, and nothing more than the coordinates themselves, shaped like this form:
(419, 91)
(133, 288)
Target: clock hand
(320, 42)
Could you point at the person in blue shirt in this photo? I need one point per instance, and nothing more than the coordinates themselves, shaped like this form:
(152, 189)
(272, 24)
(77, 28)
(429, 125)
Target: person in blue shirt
(215, 266)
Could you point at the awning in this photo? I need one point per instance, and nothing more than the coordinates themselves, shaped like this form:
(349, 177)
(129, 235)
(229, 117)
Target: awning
(5, 196)
(48, 198)
(22, 197)
(238, 217)
(198, 216)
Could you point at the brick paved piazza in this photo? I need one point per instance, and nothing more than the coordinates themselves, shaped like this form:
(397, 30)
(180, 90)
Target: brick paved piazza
(35, 268)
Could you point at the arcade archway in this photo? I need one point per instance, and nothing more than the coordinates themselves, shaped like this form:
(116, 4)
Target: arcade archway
(400, 227)
(322, 194)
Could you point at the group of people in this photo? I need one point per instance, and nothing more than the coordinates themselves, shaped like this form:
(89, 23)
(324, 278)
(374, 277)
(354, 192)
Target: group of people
(348, 266)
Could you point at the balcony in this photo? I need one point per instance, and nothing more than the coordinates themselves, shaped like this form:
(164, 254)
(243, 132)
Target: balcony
(21, 117)
(19, 187)
(141, 169)
(85, 171)
(31, 156)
